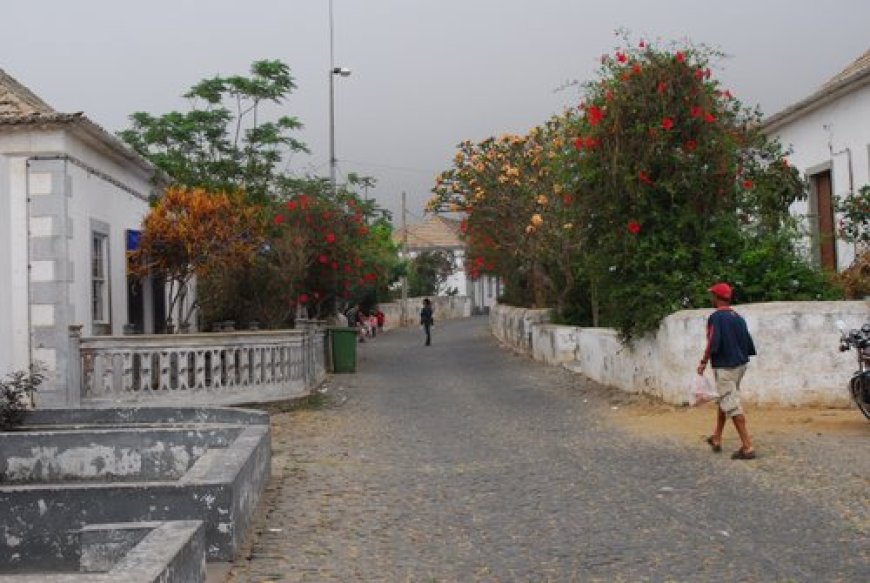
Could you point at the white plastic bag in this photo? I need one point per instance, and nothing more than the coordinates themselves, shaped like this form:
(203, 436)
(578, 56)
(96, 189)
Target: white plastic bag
(701, 391)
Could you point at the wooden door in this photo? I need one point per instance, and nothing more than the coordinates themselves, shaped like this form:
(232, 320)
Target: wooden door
(827, 238)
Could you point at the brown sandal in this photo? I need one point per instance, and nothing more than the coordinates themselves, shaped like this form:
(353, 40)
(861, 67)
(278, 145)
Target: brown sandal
(716, 447)
(740, 454)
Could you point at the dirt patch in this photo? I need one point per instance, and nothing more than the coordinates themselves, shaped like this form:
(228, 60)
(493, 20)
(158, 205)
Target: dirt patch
(820, 453)
(692, 423)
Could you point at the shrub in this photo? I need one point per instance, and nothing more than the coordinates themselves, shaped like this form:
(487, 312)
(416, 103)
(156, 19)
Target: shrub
(16, 391)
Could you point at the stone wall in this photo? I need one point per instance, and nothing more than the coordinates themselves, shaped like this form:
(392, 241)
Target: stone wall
(445, 308)
(798, 362)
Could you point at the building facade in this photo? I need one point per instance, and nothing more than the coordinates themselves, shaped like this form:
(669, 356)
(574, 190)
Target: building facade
(829, 133)
(72, 200)
(439, 233)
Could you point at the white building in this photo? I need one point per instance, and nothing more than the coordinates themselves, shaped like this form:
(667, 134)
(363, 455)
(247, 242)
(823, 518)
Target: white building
(72, 199)
(829, 132)
(439, 233)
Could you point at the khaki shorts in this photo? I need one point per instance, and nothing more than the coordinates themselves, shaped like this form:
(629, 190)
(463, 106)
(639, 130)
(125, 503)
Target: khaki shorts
(728, 387)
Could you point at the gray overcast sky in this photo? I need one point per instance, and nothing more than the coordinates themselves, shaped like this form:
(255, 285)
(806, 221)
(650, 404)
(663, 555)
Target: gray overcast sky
(426, 73)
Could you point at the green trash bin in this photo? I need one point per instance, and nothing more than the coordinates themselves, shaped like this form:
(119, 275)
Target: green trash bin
(344, 349)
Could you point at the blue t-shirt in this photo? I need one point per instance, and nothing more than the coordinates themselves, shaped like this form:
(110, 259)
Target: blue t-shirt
(728, 339)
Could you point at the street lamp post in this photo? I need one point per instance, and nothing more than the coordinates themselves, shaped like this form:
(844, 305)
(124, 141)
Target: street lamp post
(343, 72)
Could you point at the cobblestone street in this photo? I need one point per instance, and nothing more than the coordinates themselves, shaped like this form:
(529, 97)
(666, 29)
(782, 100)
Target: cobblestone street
(464, 462)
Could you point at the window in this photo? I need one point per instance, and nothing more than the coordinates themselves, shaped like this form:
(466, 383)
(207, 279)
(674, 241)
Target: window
(100, 278)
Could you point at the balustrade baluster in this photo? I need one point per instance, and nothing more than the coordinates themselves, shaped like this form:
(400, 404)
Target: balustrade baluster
(183, 370)
(165, 370)
(215, 369)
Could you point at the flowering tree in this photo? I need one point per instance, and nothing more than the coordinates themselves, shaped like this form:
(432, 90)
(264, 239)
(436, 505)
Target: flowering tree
(319, 251)
(625, 209)
(191, 233)
(677, 186)
(505, 189)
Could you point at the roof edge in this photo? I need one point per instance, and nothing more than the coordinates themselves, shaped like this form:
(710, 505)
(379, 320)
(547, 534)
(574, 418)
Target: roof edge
(816, 100)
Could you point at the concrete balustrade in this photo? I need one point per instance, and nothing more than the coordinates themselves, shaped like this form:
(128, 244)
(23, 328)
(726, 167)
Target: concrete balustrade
(197, 369)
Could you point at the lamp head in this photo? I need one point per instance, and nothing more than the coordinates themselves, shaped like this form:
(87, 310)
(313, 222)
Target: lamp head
(341, 71)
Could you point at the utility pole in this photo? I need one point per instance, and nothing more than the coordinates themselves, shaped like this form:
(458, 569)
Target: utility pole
(404, 317)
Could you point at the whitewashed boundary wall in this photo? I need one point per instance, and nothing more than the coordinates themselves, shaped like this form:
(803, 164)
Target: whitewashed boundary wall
(445, 307)
(798, 362)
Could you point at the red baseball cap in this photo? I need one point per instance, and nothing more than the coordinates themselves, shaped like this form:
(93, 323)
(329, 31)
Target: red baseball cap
(721, 290)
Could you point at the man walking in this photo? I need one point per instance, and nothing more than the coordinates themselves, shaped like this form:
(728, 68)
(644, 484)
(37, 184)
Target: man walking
(729, 346)
(427, 320)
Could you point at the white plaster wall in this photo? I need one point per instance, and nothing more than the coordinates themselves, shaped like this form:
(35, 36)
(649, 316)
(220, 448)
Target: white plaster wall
(517, 327)
(95, 198)
(445, 308)
(14, 337)
(92, 197)
(458, 278)
(798, 362)
(485, 291)
(849, 121)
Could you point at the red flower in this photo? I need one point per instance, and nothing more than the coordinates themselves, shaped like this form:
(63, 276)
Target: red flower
(667, 123)
(567, 199)
(303, 200)
(707, 73)
(591, 142)
(621, 57)
(691, 145)
(347, 268)
(633, 227)
(291, 205)
(578, 144)
(728, 94)
(695, 111)
(635, 69)
(363, 231)
(709, 118)
(644, 178)
(699, 73)
(680, 57)
(322, 259)
(661, 87)
(747, 184)
(594, 115)
(641, 44)
(303, 298)
(330, 238)
(608, 96)
(279, 219)
(334, 265)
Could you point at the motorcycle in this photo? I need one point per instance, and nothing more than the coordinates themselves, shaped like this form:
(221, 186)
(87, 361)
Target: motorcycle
(859, 384)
